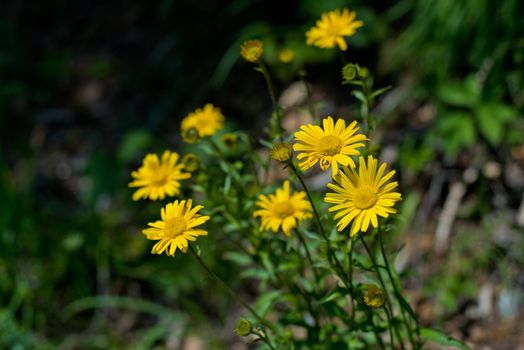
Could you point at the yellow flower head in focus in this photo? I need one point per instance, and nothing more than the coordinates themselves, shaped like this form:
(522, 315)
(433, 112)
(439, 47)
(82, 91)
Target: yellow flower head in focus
(282, 152)
(374, 296)
(361, 197)
(282, 209)
(329, 146)
(158, 177)
(206, 121)
(177, 227)
(286, 55)
(331, 29)
(251, 50)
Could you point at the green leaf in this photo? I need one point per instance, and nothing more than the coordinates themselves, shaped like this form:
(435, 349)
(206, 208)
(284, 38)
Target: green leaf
(134, 144)
(457, 129)
(438, 337)
(491, 119)
(460, 94)
(268, 264)
(405, 305)
(239, 258)
(360, 96)
(263, 303)
(334, 294)
(380, 91)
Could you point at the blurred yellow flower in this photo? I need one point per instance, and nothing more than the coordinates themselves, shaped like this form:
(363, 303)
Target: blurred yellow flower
(286, 55)
(333, 144)
(282, 209)
(251, 50)
(281, 151)
(374, 296)
(176, 228)
(158, 178)
(360, 197)
(331, 29)
(206, 121)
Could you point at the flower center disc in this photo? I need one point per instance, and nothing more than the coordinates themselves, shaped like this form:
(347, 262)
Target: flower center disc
(159, 178)
(334, 30)
(365, 198)
(283, 209)
(329, 145)
(175, 226)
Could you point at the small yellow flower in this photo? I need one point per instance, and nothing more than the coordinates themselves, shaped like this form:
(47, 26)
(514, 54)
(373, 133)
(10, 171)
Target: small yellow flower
(190, 162)
(251, 50)
(176, 228)
(282, 209)
(206, 121)
(331, 29)
(229, 139)
(374, 296)
(286, 55)
(333, 144)
(282, 152)
(158, 178)
(361, 197)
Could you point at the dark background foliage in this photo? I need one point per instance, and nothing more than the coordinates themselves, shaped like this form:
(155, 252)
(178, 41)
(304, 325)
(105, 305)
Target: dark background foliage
(87, 88)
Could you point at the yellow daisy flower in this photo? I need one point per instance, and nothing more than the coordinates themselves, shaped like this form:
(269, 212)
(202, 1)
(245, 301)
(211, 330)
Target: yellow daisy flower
(282, 209)
(333, 144)
(158, 178)
(251, 50)
(176, 228)
(206, 121)
(360, 197)
(331, 29)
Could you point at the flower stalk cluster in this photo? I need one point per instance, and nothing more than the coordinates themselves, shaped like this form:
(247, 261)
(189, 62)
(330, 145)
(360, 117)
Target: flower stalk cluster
(313, 277)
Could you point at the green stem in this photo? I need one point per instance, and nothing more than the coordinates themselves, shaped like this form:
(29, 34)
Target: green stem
(216, 148)
(338, 266)
(277, 117)
(350, 277)
(230, 291)
(264, 338)
(296, 288)
(308, 254)
(310, 104)
(397, 292)
(377, 336)
(388, 307)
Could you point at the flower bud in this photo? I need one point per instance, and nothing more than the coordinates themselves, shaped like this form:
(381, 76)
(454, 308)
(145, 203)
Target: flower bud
(251, 50)
(243, 327)
(282, 152)
(190, 162)
(190, 135)
(286, 55)
(374, 296)
(349, 72)
(363, 72)
(229, 140)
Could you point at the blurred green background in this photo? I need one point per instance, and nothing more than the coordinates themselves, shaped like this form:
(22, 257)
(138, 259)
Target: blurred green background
(87, 88)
